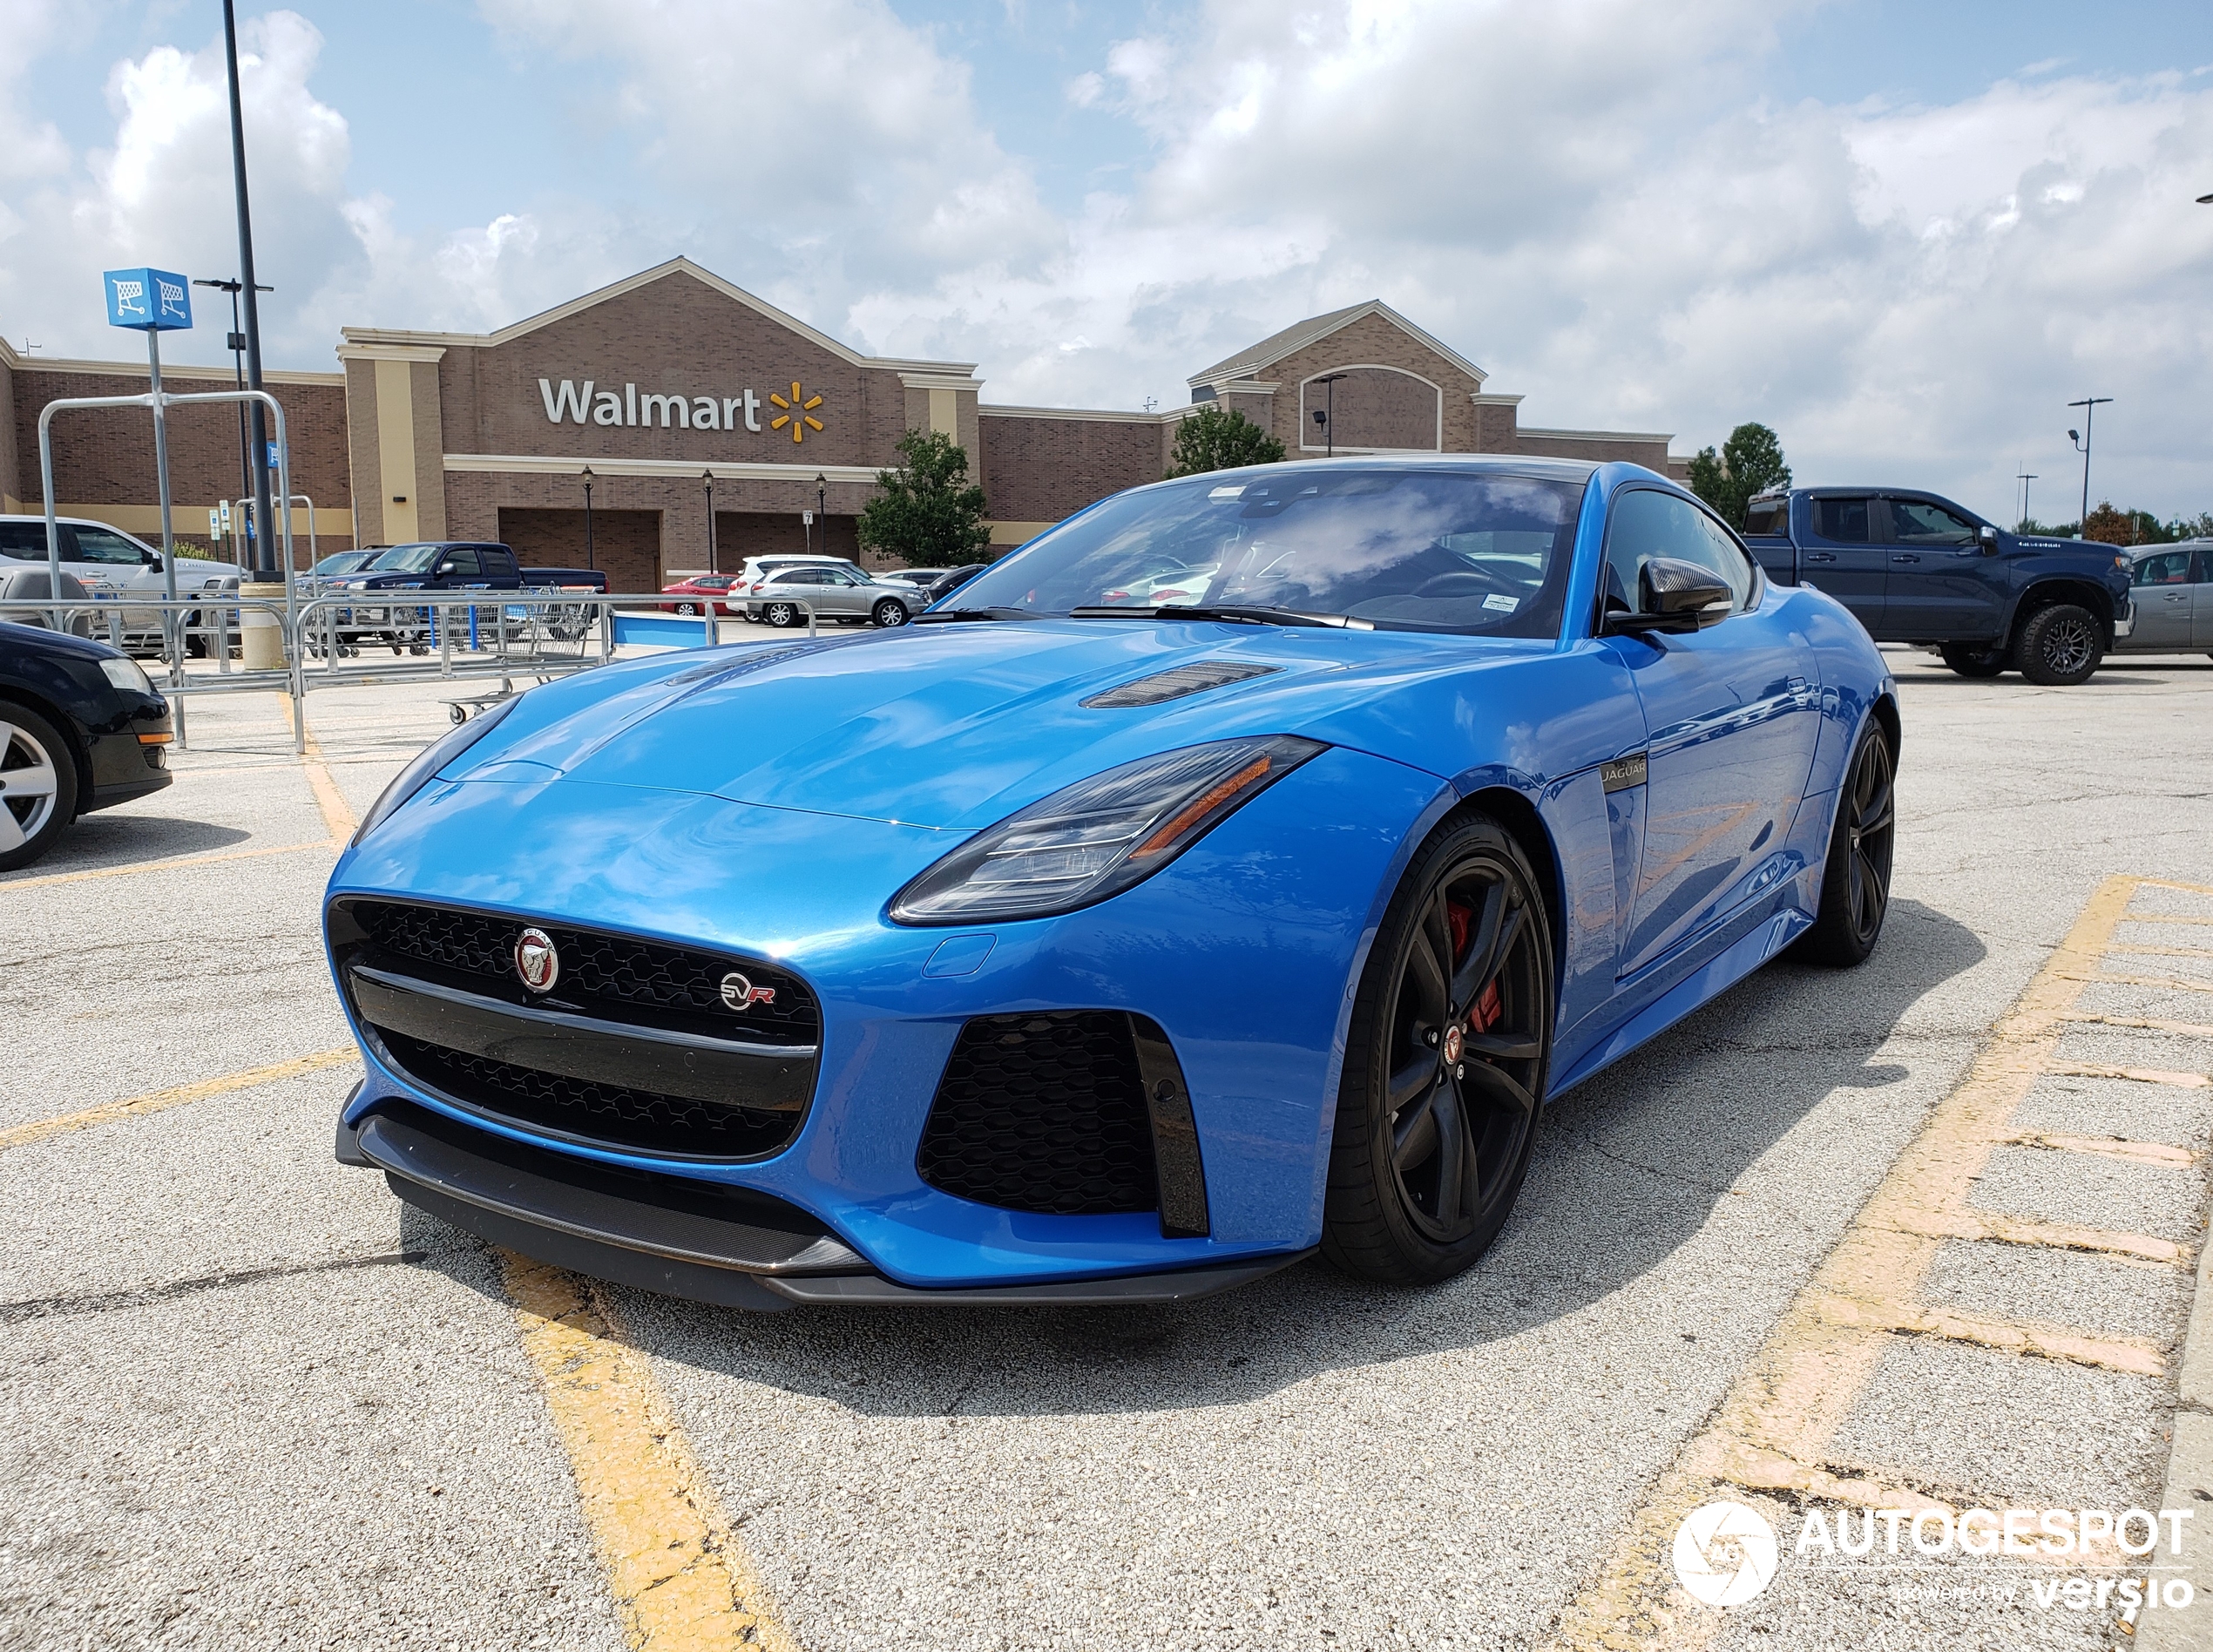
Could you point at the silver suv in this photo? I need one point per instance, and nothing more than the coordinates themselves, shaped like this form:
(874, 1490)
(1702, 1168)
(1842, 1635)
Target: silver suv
(115, 566)
(833, 592)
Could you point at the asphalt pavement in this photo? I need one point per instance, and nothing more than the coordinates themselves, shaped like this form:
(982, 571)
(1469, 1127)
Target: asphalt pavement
(253, 1403)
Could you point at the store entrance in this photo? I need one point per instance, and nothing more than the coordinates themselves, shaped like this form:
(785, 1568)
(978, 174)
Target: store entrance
(625, 545)
(740, 534)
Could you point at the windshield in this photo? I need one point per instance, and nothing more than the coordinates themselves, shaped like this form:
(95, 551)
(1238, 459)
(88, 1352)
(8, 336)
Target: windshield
(406, 558)
(1428, 550)
(341, 562)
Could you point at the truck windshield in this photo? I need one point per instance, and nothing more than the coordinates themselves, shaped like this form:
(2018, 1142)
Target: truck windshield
(1426, 550)
(405, 558)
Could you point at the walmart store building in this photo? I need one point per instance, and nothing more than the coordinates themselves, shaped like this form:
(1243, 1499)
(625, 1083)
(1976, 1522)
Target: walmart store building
(652, 382)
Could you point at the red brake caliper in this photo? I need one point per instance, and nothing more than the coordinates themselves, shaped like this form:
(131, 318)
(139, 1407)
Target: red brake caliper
(1483, 1013)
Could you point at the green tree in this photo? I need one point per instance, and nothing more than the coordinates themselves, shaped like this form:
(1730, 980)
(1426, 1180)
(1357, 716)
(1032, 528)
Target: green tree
(927, 510)
(1750, 463)
(1214, 440)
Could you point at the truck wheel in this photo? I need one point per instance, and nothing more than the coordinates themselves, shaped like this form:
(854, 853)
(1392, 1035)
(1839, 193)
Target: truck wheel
(2060, 646)
(1974, 662)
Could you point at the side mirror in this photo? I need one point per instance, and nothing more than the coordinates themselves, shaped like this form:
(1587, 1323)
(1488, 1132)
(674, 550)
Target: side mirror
(1986, 537)
(1674, 596)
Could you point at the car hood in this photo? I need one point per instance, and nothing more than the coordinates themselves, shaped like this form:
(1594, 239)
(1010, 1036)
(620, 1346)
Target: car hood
(949, 726)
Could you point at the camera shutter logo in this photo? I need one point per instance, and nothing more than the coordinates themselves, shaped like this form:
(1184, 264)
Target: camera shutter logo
(1725, 1553)
(536, 961)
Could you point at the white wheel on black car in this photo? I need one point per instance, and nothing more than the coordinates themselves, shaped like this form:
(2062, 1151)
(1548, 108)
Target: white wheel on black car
(38, 786)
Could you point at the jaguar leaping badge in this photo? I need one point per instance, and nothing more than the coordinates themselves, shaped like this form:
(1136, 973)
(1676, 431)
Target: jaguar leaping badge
(536, 961)
(740, 994)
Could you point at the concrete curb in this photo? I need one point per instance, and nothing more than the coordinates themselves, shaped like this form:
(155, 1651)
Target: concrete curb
(2189, 1481)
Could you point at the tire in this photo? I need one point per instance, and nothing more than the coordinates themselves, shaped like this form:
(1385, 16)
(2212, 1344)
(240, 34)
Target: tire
(38, 786)
(1418, 1190)
(890, 612)
(686, 607)
(1856, 878)
(781, 614)
(2060, 646)
(1971, 661)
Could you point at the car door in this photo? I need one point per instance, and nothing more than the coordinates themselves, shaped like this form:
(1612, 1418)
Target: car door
(2201, 600)
(2163, 595)
(1731, 714)
(1939, 588)
(842, 594)
(1843, 555)
(461, 570)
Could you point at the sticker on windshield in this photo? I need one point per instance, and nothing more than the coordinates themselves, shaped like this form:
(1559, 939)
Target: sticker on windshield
(1226, 493)
(1496, 604)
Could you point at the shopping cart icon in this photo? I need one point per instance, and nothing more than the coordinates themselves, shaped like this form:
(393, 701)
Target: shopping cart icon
(171, 295)
(130, 298)
(148, 300)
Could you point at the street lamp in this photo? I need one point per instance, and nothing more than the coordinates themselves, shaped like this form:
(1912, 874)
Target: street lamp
(2024, 477)
(588, 561)
(236, 345)
(2089, 405)
(1326, 416)
(822, 492)
(708, 476)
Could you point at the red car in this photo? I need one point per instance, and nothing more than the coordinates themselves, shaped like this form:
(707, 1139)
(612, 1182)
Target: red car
(694, 593)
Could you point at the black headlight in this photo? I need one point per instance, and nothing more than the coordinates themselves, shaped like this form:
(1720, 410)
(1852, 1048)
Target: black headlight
(432, 758)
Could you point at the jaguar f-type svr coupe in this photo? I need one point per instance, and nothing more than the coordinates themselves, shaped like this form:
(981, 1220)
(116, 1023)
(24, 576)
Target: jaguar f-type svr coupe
(1234, 870)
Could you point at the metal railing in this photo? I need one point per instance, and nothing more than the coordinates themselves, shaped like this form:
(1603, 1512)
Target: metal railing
(433, 636)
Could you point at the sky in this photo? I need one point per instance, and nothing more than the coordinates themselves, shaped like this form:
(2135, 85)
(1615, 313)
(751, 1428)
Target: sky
(1903, 235)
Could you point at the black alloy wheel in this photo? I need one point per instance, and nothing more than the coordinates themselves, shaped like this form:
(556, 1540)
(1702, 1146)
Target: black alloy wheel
(1446, 1069)
(891, 611)
(1969, 661)
(2060, 646)
(782, 614)
(1856, 881)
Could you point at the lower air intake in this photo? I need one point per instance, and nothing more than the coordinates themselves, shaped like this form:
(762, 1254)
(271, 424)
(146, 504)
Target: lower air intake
(1043, 1113)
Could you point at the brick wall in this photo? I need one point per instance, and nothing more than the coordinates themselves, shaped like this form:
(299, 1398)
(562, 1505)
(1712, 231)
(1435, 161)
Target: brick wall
(1044, 468)
(625, 544)
(1372, 408)
(11, 475)
(1372, 340)
(740, 534)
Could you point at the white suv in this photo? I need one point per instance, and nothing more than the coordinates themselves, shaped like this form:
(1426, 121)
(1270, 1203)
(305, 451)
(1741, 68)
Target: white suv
(113, 565)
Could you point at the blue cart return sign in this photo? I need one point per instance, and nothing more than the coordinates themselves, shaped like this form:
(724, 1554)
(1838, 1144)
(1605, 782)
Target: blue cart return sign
(149, 300)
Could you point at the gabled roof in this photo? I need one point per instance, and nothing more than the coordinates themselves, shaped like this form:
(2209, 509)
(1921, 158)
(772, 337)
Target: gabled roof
(1248, 363)
(630, 284)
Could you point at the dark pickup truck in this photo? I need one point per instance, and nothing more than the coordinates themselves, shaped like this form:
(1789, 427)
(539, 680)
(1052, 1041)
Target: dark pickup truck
(1917, 568)
(459, 564)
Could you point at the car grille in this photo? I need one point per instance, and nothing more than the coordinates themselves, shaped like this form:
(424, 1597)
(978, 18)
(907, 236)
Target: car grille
(1043, 1113)
(605, 1112)
(611, 983)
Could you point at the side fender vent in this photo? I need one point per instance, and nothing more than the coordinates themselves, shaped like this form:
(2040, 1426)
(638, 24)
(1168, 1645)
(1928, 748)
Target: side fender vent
(1176, 683)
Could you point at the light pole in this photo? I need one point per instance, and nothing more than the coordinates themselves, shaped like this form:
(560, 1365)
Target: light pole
(588, 561)
(236, 345)
(821, 492)
(2024, 477)
(258, 448)
(708, 476)
(2089, 405)
(1326, 416)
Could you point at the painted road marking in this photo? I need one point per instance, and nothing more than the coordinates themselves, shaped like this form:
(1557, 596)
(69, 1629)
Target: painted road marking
(337, 813)
(680, 1576)
(1773, 1432)
(156, 1100)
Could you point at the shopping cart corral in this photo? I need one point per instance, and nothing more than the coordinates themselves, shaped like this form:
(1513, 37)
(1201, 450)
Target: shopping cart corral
(337, 640)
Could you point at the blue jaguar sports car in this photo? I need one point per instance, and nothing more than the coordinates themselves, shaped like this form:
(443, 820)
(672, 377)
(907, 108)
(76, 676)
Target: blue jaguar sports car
(1232, 872)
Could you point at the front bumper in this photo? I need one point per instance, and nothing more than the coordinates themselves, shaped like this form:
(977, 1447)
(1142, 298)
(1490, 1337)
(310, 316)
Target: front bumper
(2125, 621)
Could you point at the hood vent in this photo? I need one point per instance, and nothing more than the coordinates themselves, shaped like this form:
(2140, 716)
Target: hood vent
(1174, 684)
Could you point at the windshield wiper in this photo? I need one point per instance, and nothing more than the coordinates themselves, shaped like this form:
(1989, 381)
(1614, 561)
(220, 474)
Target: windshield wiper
(1234, 613)
(945, 616)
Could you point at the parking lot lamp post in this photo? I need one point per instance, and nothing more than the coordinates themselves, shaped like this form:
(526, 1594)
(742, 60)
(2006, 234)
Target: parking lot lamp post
(822, 495)
(1328, 417)
(2089, 405)
(708, 476)
(2024, 477)
(236, 345)
(588, 561)
(265, 570)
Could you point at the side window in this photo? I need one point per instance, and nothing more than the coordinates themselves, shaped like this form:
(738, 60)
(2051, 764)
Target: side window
(1769, 518)
(102, 545)
(27, 541)
(462, 564)
(497, 560)
(2170, 567)
(1917, 521)
(1841, 521)
(1648, 523)
(2205, 574)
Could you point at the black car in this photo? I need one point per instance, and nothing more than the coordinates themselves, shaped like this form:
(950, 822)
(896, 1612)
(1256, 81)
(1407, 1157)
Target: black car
(81, 728)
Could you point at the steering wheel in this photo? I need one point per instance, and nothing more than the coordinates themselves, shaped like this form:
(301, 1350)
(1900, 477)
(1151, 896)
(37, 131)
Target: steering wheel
(1472, 582)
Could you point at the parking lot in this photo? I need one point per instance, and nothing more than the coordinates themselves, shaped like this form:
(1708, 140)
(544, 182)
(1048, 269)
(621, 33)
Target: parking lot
(1922, 1234)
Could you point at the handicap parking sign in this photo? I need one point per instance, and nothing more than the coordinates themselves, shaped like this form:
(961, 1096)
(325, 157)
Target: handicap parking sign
(148, 300)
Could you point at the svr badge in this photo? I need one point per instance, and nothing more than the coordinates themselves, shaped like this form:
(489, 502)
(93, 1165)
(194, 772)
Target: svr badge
(740, 994)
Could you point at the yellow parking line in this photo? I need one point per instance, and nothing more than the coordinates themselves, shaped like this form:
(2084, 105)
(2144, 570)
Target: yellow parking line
(2165, 983)
(2135, 1354)
(2161, 951)
(2141, 1075)
(2157, 1153)
(1773, 1430)
(337, 813)
(155, 1100)
(2147, 1024)
(680, 1576)
(2041, 1235)
(216, 858)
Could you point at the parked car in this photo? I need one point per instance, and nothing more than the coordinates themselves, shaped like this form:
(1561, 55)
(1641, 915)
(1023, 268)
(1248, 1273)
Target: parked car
(834, 593)
(81, 728)
(1915, 567)
(692, 595)
(440, 565)
(2173, 589)
(1051, 951)
(756, 571)
(933, 583)
(116, 567)
(342, 562)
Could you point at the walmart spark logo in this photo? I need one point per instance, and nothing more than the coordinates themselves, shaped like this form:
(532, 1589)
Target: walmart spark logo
(800, 415)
